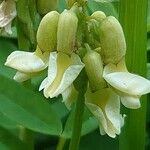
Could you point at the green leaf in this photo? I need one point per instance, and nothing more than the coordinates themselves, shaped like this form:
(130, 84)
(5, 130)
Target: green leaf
(89, 124)
(27, 108)
(10, 142)
(107, 8)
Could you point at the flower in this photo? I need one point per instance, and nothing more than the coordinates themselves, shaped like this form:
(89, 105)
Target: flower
(62, 71)
(129, 86)
(27, 64)
(105, 106)
(64, 65)
(7, 14)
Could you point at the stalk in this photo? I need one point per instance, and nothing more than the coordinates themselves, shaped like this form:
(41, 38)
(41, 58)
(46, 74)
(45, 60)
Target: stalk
(132, 15)
(79, 110)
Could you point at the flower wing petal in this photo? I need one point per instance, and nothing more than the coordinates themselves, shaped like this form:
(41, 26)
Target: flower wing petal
(131, 101)
(128, 83)
(112, 110)
(21, 77)
(26, 62)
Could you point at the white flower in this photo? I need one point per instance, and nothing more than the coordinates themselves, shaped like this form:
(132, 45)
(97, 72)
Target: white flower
(7, 14)
(27, 63)
(62, 71)
(129, 86)
(105, 106)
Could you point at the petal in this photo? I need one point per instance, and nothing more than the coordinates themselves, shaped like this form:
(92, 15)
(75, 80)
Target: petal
(69, 96)
(128, 83)
(67, 71)
(21, 77)
(43, 84)
(130, 101)
(52, 71)
(120, 67)
(7, 11)
(26, 62)
(112, 110)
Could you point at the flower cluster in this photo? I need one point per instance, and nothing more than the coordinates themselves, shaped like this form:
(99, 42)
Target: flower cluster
(59, 43)
(7, 14)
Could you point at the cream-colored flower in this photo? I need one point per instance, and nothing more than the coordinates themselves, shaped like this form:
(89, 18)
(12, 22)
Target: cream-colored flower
(62, 71)
(129, 86)
(27, 64)
(7, 14)
(105, 106)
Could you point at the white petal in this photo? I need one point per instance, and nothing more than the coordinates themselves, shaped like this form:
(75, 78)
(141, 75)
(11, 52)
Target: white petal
(112, 110)
(69, 96)
(43, 84)
(26, 62)
(52, 72)
(128, 83)
(130, 101)
(52, 69)
(21, 77)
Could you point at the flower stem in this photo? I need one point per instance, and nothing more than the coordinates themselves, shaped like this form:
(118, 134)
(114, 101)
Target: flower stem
(133, 19)
(77, 126)
(61, 143)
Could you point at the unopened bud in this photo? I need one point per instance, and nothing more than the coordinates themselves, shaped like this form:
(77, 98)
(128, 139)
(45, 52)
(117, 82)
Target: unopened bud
(98, 15)
(112, 40)
(47, 32)
(45, 6)
(94, 69)
(66, 34)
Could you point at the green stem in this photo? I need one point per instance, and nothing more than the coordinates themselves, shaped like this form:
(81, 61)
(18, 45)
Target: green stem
(61, 143)
(79, 110)
(133, 19)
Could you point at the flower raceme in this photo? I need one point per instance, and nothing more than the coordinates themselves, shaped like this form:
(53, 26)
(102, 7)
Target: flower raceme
(65, 51)
(7, 14)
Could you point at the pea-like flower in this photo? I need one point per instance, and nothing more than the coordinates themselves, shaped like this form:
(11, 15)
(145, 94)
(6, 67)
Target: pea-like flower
(62, 71)
(29, 64)
(129, 86)
(64, 65)
(7, 14)
(105, 106)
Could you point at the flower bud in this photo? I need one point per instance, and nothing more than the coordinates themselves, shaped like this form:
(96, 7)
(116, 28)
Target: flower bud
(94, 69)
(98, 15)
(112, 40)
(66, 34)
(45, 6)
(47, 32)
